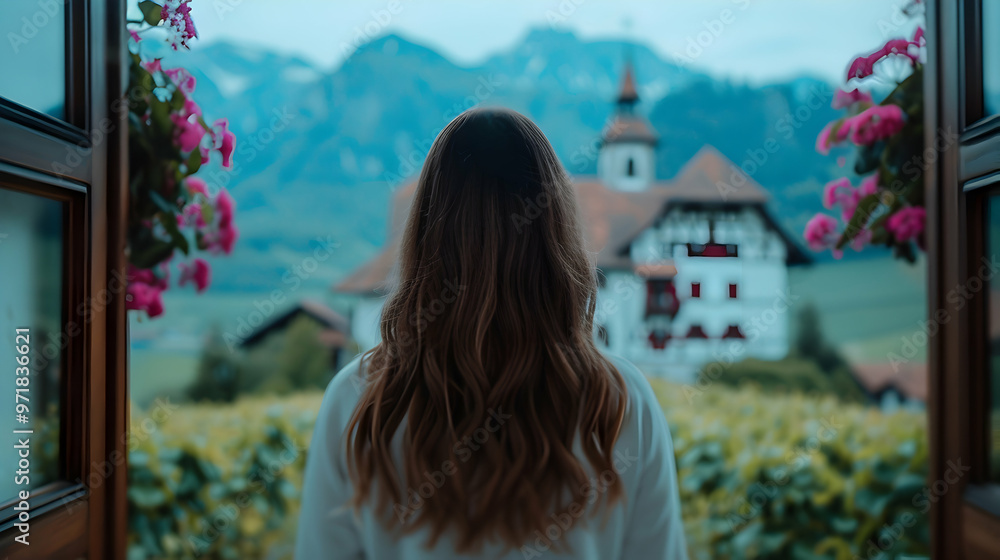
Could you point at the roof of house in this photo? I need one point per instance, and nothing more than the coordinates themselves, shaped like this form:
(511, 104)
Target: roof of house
(612, 218)
(909, 379)
(328, 318)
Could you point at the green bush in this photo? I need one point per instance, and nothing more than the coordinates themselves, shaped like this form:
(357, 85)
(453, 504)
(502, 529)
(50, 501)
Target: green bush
(787, 375)
(217, 482)
(794, 476)
(761, 476)
(284, 362)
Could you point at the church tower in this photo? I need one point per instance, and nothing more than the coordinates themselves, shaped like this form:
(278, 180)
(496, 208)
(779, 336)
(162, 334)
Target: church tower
(627, 159)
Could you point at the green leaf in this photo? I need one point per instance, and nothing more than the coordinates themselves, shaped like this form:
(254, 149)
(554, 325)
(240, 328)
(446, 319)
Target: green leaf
(866, 207)
(177, 100)
(169, 221)
(193, 162)
(207, 213)
(151, 254)
(151, 12)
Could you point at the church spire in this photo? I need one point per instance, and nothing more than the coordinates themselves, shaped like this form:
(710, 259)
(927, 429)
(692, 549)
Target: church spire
(628, 96)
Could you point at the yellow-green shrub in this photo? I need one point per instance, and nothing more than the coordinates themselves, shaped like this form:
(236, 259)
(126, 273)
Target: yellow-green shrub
(762, 475)
(217, 482)
(767, 475)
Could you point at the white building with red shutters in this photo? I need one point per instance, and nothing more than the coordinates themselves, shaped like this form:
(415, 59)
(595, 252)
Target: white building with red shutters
(693, 269)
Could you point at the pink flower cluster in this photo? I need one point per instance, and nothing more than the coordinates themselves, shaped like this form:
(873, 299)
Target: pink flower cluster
(821, 233)
(220, 236)
(907, 223)
(875, 123)
(176, 14)
(864, 66)
(822, 230)
(197, 272)
(145, 288)
(843, 99)
(841, 193)
(190, 132)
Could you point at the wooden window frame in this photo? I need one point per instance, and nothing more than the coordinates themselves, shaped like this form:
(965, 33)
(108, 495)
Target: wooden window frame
(965, 521)
(85, 514)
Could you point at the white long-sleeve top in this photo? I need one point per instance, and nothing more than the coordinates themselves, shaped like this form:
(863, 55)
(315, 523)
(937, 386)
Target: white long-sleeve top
(645, 526)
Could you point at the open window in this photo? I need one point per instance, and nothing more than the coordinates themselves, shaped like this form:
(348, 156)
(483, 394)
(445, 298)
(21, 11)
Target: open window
(62, 313)
(963, 191)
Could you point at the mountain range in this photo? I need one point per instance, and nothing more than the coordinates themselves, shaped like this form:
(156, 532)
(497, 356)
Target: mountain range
(319, 151)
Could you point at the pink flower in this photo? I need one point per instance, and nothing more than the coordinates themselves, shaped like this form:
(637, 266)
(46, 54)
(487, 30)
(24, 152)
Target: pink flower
(198, 272)
(863, 238)
(224, 239)
(143, 297)
(223, 141)
(176, 14)
(836, 192)
(918, 37)
(876, 123)
(196, 185)
(182, 79)
(188, 133)
(823, 140)
(191, 108)
(145, 289)
(134, 36)
(821, 232)
(848, 198)
(843, 98)
(153, 66)
(147, 276)
(864, 66)
(907, 223)
(225, 207)
(192, 216)
(869, 185)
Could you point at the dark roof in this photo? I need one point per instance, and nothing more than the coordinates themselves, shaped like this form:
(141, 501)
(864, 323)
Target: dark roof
(611, 218)
(910, 380)
(322, 314)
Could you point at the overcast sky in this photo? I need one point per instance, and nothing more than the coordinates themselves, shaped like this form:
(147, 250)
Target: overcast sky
(752, 40)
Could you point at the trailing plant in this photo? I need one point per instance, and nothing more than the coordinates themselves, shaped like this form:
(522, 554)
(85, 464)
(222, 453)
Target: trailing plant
(171, 211)
(887, 207)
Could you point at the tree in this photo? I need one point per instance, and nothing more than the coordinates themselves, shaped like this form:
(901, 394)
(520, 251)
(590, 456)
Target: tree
(219, 371)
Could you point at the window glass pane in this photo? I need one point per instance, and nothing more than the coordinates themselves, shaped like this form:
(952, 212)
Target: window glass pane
(991, 57)
(993, 344)
(33, 54)
(31, 277)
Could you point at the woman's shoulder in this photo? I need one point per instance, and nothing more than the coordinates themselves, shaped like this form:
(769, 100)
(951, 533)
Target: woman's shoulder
(641, 396)
(342, 394)
(645, 428)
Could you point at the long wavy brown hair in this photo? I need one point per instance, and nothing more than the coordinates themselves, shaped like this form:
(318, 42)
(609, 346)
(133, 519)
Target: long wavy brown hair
(487, 365)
